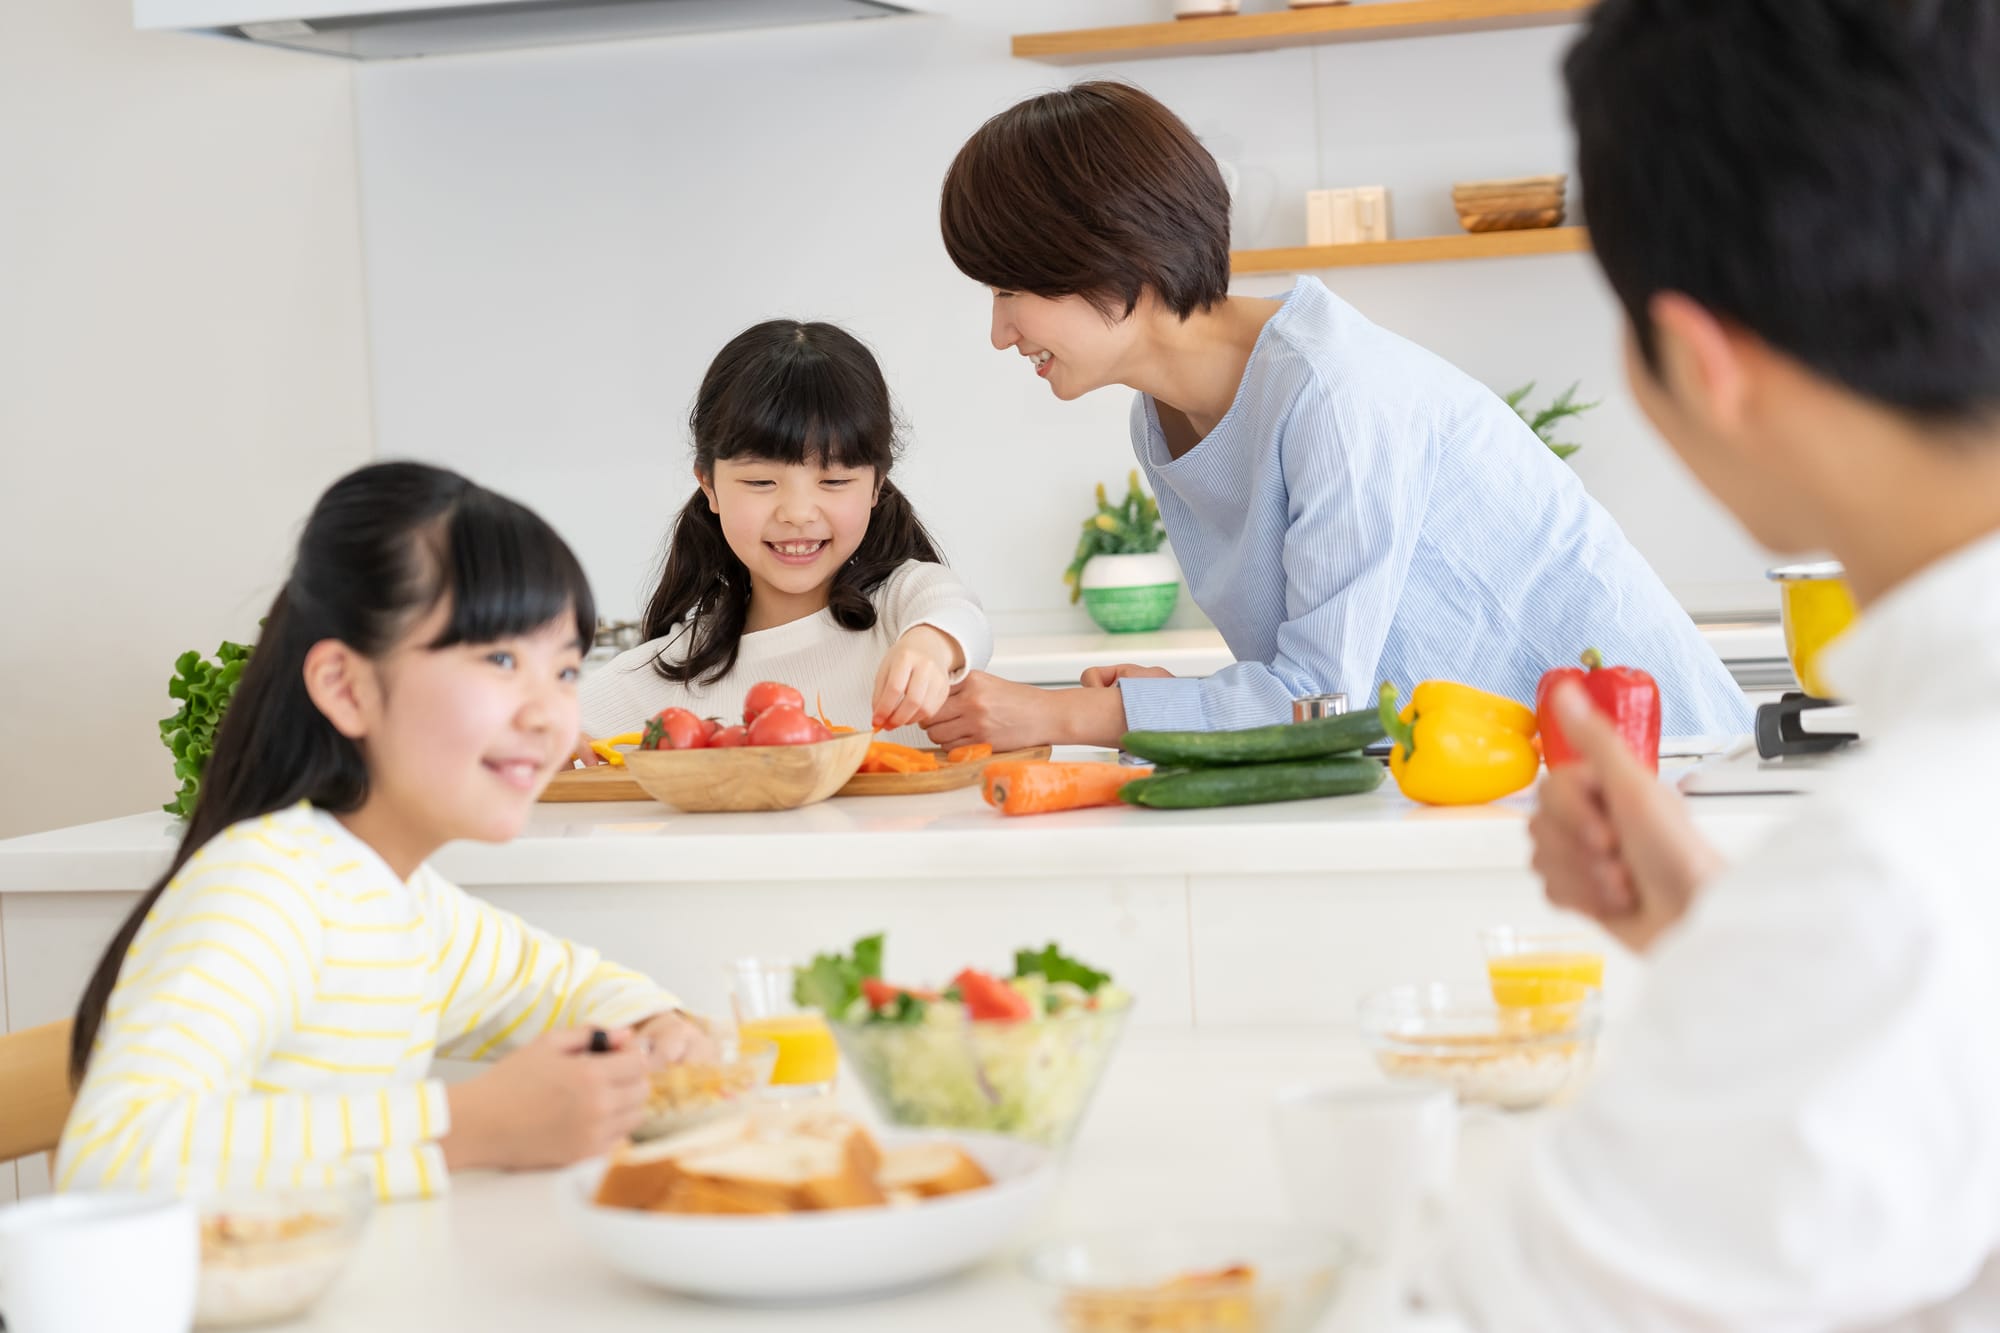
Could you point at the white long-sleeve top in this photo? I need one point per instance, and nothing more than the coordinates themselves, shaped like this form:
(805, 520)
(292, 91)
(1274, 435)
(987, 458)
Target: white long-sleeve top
(831, 666)
(1799, 1126)
(276, 1016)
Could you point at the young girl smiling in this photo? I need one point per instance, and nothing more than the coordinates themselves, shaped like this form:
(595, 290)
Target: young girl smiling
(796, 559)
(268, 1013)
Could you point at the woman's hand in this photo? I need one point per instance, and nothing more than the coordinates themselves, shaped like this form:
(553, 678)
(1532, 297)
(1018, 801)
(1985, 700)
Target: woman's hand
(915, 677)
(677, 1038)
(1011, 716)
(1098, 677)
(1610, 841)
(550, 1103)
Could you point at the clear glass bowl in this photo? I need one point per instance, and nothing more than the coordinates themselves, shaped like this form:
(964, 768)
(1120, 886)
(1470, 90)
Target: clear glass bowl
(1192, 1279)
(684, 1096)
(270, 1254)
(1031, 1080)
(1514, 1056)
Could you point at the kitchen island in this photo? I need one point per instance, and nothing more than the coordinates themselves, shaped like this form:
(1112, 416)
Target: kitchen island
(1255, 915)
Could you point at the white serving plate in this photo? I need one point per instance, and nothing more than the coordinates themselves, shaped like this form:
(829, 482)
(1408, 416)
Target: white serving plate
(819, 1256)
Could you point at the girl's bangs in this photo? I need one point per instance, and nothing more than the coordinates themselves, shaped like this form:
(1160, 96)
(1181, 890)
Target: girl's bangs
(506, 572)
(805, 417)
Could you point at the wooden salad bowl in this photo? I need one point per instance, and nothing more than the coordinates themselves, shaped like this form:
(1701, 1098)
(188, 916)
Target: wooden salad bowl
(750, 777)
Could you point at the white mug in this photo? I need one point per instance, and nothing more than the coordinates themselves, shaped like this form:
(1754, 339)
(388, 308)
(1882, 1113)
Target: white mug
(1369, 1160)
(89, 1263)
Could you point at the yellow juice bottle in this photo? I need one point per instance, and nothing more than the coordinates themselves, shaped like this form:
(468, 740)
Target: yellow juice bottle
(807, 1052)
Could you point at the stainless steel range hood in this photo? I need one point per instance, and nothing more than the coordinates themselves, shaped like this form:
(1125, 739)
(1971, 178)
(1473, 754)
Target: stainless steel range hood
(374, 30)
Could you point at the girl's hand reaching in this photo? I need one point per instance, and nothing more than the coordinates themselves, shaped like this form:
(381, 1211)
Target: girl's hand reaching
(677, 1038)
(915, 677)
(590, 757)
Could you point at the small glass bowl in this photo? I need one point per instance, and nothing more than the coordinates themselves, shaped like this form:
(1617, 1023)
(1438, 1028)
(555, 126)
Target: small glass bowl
(684, 1096)
(270, 1254)
(1192, 1279)
(1512, 1056)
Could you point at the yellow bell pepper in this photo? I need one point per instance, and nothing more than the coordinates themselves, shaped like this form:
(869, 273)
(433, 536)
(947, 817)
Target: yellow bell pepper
(1454, 745)
(607, 751)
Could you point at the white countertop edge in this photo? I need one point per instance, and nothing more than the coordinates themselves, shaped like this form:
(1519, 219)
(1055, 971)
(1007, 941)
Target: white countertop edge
(947, 837)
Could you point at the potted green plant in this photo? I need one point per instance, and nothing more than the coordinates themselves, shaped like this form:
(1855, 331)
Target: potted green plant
(1545, 421)
(1125, 581)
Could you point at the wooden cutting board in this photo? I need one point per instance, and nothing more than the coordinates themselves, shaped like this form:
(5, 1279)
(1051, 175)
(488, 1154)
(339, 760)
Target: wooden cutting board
(605, 783)
(948, 777)
(602, 783)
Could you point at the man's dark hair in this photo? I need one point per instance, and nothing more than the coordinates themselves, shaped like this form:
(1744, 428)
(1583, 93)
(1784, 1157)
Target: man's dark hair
(1824, 173)
(1096, 191)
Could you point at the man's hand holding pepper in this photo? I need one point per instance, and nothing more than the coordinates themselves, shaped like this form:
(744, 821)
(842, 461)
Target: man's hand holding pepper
(1610, 841)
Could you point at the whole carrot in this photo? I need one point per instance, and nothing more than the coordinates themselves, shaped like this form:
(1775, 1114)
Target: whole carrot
(1033, 788)
(993, 772)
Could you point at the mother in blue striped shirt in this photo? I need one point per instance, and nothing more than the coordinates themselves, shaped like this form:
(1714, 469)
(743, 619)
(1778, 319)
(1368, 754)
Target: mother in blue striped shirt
(1347, 507)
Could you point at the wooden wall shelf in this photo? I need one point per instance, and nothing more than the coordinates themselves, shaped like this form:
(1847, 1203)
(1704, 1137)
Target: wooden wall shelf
(1416, 250)
(1266, 31)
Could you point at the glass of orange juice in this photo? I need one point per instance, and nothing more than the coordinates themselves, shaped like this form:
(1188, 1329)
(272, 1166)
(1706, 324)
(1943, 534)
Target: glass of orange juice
(1528, 967)
(760, 991)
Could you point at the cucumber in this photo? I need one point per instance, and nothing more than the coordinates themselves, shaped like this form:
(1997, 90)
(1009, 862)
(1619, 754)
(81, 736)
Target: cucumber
(1283, 743)
(1255, 784)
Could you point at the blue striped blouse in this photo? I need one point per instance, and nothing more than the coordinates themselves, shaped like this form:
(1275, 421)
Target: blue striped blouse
(1365, 511)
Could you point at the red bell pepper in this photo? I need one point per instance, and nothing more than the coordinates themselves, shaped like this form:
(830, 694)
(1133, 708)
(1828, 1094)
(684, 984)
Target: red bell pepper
(1628, 696)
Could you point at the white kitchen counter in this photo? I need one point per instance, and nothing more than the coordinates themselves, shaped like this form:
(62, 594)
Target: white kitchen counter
(1274, 914)
(870, 838)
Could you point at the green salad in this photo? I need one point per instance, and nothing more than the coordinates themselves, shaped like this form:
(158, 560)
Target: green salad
(1018, 1055)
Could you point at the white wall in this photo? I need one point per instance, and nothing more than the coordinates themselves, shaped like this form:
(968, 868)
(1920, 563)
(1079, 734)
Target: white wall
(182, 369)
(558, 241)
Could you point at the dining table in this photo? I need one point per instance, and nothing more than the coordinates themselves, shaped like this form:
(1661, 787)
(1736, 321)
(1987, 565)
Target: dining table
(1179, 1133)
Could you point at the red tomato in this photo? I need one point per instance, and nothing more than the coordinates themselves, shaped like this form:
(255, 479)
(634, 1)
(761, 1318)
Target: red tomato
(730, 737)
(767, 695)
(880, 994)
(674, 729)
(783, 724)
(713, 724)
(820, 733)
(989, 999)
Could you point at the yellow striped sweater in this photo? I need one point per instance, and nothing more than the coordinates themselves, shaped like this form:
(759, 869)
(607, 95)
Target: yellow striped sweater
(277, 1014)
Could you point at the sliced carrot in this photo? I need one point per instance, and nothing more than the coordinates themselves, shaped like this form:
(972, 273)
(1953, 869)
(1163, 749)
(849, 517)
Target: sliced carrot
(969, 754)
(819, 711)
(1029, 788)
(883, 757)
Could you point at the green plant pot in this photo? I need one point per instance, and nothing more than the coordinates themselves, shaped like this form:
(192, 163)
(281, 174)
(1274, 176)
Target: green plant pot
(1132, 610)
(1131, 594)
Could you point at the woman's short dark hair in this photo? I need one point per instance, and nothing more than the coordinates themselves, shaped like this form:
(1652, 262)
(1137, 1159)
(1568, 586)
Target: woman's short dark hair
(1097, 191)
(1824, 173)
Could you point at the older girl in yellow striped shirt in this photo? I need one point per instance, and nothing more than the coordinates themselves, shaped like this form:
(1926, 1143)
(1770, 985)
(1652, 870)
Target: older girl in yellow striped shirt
(269, 1011)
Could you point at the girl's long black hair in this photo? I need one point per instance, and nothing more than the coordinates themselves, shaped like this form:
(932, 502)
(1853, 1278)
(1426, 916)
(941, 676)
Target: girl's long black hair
(791, 393)
(384, 545)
